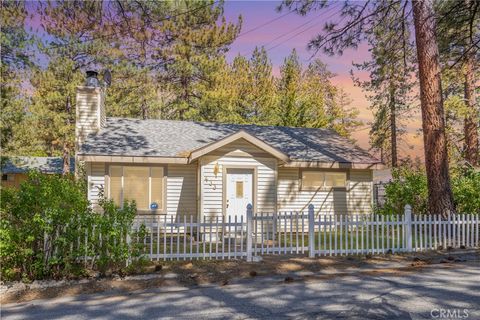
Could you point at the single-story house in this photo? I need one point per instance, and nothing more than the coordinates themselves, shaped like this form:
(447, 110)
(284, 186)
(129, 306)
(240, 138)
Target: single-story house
(212, 169)
(15, 169)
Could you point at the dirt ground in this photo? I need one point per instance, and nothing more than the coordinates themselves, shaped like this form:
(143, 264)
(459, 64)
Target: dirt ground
(222, 272)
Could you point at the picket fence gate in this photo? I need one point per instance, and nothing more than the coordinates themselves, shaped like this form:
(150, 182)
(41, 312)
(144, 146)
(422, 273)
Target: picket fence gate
(184, 238)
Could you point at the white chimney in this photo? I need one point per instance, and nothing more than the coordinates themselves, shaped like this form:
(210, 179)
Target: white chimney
(90, 108)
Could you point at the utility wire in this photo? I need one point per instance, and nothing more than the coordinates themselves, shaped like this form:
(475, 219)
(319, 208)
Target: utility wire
(295, 29)
(264, 24)
(300, 32)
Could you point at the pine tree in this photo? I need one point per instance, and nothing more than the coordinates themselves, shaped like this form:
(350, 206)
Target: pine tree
(289, 111)
(361, 18)
(15, 63)
(389, 84)
(263, 94)
(71, 46)
(195, 54)
(440, 198)
(459, 55)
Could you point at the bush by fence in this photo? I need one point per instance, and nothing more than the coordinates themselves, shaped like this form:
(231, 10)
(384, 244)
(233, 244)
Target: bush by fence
(409, 186)
(47, 228)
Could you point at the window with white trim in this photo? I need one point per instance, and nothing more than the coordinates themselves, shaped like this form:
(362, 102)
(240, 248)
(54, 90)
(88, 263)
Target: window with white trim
(144, 185)
(313, 180)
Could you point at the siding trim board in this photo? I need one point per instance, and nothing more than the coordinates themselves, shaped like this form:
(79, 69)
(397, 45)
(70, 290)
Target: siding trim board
(332, 165)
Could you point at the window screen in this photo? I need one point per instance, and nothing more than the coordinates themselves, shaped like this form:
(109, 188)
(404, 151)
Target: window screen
(312, 180)
(335, 179)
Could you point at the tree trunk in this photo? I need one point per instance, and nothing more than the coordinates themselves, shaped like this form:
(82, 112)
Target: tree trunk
(66, 160)
(393, 129)
(471, 121)
(440, 198)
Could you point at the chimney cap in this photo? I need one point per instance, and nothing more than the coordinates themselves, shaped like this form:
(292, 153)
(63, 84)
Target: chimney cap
(92, 79)
(92, 73)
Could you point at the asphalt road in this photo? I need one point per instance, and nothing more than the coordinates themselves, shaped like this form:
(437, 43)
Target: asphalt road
(423, 295)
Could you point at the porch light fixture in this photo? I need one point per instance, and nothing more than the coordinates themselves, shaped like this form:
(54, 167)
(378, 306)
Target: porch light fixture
(216, 169)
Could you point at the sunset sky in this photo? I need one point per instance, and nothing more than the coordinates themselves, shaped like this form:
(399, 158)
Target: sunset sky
(294, 31)
(290, 30)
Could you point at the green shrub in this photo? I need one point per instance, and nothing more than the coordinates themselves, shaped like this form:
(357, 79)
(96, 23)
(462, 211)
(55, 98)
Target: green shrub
(466, 190)
(409, 186)
(47, 229)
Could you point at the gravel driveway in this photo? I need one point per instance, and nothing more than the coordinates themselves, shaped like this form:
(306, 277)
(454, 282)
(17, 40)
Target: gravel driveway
(422, 295)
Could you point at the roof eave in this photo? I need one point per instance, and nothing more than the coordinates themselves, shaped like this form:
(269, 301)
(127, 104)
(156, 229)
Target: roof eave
(132, 159)
(334, 165)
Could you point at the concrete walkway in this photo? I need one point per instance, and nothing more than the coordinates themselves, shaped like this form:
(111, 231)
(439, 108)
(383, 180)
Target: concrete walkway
(422, 295)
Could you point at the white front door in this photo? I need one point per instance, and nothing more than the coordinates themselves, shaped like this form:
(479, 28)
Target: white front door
(239, 192)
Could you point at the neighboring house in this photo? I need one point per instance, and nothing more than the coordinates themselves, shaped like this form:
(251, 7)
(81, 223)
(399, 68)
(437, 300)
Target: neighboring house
(380, 179)
(15, 169)
(212, 169)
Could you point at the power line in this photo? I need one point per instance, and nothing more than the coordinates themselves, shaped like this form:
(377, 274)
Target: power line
(291, 31)
(299, 33)
(264, 24)
(296, 28)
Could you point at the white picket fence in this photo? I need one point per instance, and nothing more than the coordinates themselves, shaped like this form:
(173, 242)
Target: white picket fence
(184, 238)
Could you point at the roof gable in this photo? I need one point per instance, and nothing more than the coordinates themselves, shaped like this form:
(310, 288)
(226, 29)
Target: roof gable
(242, 134)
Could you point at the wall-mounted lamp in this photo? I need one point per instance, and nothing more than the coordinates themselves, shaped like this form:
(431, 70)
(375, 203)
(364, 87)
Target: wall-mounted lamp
(216, 169)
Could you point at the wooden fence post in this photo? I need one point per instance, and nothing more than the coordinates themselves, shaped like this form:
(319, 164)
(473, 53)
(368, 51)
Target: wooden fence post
(408, 226)
(249, 231)
(311, 231)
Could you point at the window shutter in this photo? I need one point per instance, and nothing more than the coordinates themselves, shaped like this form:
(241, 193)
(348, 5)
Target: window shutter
(115, 186)
(135, 186)
(157, 186)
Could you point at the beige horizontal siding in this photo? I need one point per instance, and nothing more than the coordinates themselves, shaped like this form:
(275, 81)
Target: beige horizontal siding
(96, 181)
(360, 191)
(356, 198)
(182, 190)
(237, 154)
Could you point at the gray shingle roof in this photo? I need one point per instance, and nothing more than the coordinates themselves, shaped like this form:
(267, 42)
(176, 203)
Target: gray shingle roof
(168, 138)
(43, 164)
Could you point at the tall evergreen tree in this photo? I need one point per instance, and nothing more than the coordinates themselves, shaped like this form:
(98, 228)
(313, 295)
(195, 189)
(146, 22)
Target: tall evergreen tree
(73, 27)
(440, 198)
(289, 111)
(263, 87)
(189, 63)
(350, 32)
(307, 98)
(390, 82)
(459, 35)
(15, 62)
